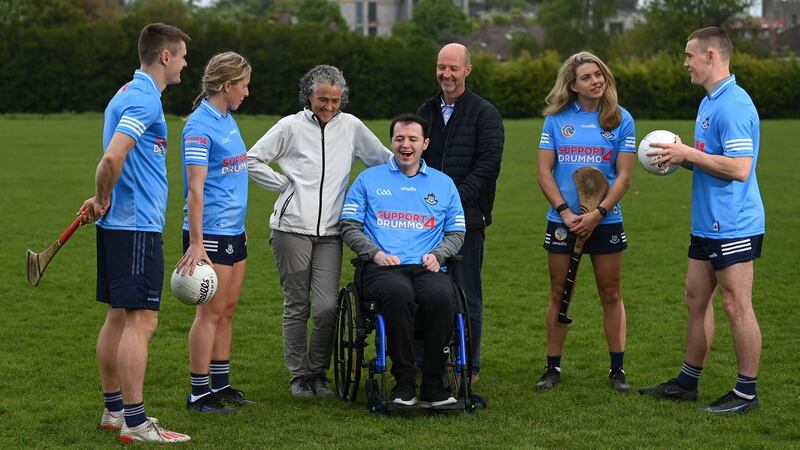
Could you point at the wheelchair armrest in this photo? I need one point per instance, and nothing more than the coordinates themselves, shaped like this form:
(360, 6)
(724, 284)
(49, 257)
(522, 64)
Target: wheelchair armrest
(454, 259)
(360, 260)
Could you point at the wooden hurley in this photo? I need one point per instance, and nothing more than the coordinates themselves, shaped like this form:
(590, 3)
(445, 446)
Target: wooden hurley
(592, 186)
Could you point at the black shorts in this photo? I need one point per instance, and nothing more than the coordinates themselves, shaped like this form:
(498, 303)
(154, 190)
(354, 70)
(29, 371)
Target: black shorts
(130, 268)
(723, 253)
(608, 238)
(225, 250)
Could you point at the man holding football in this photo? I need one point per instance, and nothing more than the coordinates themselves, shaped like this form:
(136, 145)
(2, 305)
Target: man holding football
(727, 223)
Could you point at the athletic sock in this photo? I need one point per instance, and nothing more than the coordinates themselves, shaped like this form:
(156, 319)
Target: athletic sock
(200, 386)
(617, 359)
(134, 414)
(113, 402)
(689, 376)
(554, 361)
(745, 387)
(220, 375)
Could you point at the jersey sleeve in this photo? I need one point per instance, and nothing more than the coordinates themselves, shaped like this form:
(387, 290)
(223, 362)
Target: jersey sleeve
(455, 212)
(546, 141)
(137, 118)
(736, 132)
(355, 203)
(627, 134)
(196, 146)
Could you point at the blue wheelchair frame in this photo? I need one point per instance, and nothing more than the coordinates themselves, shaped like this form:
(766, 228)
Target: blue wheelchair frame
(357, 319)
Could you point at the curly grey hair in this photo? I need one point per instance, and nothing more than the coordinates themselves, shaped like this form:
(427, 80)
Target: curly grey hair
(322, 74)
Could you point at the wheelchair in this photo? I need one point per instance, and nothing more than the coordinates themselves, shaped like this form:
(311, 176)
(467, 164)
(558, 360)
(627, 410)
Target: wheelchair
(358, 318)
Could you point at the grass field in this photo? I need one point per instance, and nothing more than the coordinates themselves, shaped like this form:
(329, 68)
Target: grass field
(49, 388)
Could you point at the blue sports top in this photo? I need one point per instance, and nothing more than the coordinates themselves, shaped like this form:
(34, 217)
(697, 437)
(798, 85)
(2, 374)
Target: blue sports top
(727, 124)
(213, 140)
(578, 140)
(404, 216)
(139, 198)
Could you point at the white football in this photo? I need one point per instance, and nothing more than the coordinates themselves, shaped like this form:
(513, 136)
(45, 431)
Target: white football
(658, 137)
(197, 288)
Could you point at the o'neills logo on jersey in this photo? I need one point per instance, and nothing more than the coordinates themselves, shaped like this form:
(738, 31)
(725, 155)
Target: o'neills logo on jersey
(579, 154)
(195, 140)
(404, 220)
(236, 164)
(160, 146)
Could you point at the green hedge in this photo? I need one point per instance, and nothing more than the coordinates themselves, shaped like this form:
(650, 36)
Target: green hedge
(79, 67)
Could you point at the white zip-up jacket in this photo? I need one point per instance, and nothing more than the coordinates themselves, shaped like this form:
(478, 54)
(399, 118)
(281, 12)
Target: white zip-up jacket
(316, 163)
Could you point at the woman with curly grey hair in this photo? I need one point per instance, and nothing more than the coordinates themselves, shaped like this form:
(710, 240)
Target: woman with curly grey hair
(315, 150)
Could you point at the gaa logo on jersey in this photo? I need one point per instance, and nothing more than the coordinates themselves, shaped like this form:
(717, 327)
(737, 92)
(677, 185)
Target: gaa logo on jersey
(706, 123)
(431, 199)
(560, 234)
(160, 146)
(568, 131)
(607, 134)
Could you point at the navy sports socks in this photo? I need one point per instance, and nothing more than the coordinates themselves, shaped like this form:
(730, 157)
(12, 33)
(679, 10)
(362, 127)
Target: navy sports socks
(113, 401)
(554, 361)
(617, 359)
(745, 387)
(689, 376)
(220, 375)
(199, 386)
(134, 414)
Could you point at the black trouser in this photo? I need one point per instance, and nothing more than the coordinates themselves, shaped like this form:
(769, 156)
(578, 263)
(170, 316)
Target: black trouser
(401, 291)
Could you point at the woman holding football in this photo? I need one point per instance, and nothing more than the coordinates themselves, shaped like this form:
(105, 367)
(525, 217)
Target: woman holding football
(215, 190)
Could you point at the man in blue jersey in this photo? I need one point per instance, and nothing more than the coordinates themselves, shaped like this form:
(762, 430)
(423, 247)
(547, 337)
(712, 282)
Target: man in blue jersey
(408, 218)
(129, 206)
(727, 223)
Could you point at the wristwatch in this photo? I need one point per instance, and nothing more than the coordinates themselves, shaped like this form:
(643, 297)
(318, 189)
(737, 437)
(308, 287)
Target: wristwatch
(561, 207)
(603, 211)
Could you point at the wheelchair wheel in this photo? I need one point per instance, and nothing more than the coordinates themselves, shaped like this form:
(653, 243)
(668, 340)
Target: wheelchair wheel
(347, 350)
(459, 363)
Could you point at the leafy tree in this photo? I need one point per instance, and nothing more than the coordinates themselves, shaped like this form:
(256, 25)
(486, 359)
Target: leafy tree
(667, 23)
(41, 12)
(239, 10)
(574, 25)
(440, 21)
(324, 12)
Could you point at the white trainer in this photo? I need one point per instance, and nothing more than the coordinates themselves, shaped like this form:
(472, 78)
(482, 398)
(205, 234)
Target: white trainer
(109, 422)
(150, 431)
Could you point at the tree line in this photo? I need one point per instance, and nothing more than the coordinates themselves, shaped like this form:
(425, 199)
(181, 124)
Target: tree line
(71, 61)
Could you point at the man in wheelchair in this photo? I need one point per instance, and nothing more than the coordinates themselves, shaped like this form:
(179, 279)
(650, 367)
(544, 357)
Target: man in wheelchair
(407, 217)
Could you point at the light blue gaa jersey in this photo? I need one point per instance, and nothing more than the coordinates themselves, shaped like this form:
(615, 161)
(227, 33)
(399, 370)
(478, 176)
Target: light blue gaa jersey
(213, 140)
(727, 124)
(578, 140)
(139, 198)
(406, 217)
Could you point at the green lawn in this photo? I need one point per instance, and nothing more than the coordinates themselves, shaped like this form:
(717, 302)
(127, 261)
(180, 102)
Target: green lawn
(49, 388)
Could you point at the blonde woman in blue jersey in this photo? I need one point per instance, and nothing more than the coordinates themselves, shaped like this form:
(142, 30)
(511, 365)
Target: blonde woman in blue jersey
(215, 189)
(584, 126)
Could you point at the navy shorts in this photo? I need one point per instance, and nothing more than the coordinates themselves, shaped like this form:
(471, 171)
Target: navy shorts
(130, 268)
(608, 238)
(225, 250)
(723, 253)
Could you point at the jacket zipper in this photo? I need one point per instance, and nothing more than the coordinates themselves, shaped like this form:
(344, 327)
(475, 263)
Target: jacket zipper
(322, 179)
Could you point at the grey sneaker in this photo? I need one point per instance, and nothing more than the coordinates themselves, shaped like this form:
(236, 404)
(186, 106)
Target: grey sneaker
(109, 422)
(731, 403)
(550, 378)
(670, 390)
(320, 385)
(301, 388)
